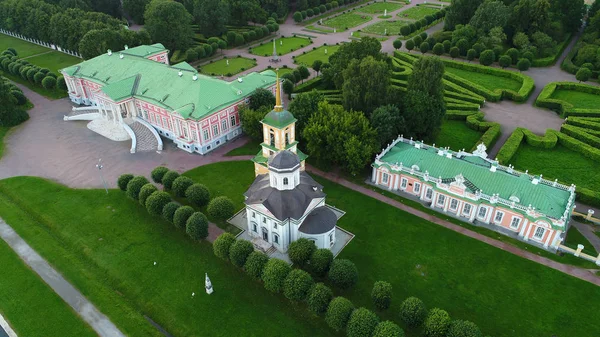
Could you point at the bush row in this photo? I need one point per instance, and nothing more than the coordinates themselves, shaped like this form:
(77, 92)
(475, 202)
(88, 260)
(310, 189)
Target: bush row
(564, 108)
(300, 16)
(588, 123)
(42, 77)
(580, 134)
(492, 130)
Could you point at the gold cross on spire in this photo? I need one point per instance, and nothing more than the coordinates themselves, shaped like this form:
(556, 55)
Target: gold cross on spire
(278, 104)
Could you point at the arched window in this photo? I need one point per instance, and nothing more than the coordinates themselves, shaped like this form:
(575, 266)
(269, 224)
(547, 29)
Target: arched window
(265, 234)
(285, 181)
(272, 141)
(287, 139)
(275, 238)
(254, 227)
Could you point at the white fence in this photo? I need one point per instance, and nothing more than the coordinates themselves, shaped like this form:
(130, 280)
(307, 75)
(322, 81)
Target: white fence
(578, 253)
(41, 43)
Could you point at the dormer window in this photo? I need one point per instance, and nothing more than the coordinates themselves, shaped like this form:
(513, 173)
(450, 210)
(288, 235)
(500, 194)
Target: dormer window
(285, 181)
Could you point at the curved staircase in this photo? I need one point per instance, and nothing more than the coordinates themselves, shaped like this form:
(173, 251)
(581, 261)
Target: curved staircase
(145, 139)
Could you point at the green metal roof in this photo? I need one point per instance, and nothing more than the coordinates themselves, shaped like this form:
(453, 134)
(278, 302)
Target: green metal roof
(145, 50)
(547, 199)
(162, 85)
(279, 119)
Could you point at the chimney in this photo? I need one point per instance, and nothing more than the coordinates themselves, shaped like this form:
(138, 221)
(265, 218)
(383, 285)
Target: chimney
(126, 47)
(180, 73)
(109, 52)
(195, 77)
(120, 55)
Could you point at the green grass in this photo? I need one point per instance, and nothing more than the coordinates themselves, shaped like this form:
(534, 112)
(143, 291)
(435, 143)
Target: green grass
(393, 27)
(106, 245)
(289, 45)
(488, 81)
(417, 13)
(346, 21)
(574, 237)
(457, 135)
(380, 7)
(3, 132)
(23, 294)
(559, 163)
(580, 100)
(236, 65)
(319, 29)
(318, 54)
(250, 148)
(54, 61)
(23, 48)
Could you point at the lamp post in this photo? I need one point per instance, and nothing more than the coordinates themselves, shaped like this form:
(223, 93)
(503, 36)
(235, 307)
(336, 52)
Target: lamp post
(99, 167)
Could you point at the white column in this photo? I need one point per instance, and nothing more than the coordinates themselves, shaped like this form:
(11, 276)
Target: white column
(474, 211)
(374, 174)
(433, 198)
(526, 238)
(525, 223)
(446, 203)
(396, 182)
(548, 238)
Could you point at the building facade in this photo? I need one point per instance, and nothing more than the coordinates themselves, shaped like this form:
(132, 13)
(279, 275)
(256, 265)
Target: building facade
(471, 187)
(197, 112)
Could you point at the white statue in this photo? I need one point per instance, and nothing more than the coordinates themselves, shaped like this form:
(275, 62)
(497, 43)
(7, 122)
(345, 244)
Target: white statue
(227, 62)
(208, 285)
(385, 12)
(325, 51)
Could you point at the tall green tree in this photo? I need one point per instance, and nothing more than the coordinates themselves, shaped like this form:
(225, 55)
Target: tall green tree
(367, 46)
(569, 12)
(366, 85)
(388, 122)
(211, 16)
(251, 121)
(135, 9)
(169, 23)
(11, 113)
(110, 7)
(303, 107)
(460, 12)
(242, 11)
(488, 15)
(96, 42)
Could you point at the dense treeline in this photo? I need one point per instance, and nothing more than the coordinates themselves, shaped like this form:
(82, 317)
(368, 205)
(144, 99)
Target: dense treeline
(110, 7)
(584, 60)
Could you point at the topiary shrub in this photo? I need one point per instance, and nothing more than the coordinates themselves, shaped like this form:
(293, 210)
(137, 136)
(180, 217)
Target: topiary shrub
(168, 179)
(168, 211)
(180, 185)
(134, 187)
(49, 82)
(437, 323)
(362, 323)
(220, 208)
(513, 53)
(320, 261)
(583, 74)
(301, 250)
(343, 273)
(18, 95)
(388, 329)
(528, 55)
(222, 245)
(274, 274)
(198, 195)
(124, 180)
(239, 252)
(60, 83)
(181, 216)
(523, 64)
(413, 312)
(156, 202)
(297, 284)
(454, 52)
(459, 328)
(487, 57)
(197, 226)
(381, 295)
(318, 299)
(145, 192)
(338, 313)
(438, 49)
(255, 264)
(158, 173)
(504, 61)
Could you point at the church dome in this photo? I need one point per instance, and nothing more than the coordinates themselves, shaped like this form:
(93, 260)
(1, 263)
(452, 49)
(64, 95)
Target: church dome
(279, 119)
(284, 160)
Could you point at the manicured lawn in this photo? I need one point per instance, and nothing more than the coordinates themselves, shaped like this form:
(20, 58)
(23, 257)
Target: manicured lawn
(3, 133)
(318, 54)
(393, 27)
(106, 245)
(574, 238)
(417, 13)
(30, 306)
(457, 135)
(319, 28)
(380, 7)
(560, 163)
(236, 65)
(250, 148)
(54, 61)
(488, 81)
(283, 46)
(347, 20)
(580, 100)
(22, 47)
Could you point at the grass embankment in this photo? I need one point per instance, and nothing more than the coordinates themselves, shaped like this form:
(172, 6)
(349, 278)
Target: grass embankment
(487, 81)
(457, 135)
(318, 54)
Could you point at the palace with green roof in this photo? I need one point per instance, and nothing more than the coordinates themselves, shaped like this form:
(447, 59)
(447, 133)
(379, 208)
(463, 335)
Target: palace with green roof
(198, 112)
(472, 187)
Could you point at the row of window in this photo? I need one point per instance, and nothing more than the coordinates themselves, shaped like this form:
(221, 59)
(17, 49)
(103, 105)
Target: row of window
(265, 234)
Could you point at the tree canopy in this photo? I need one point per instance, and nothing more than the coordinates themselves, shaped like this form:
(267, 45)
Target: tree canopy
(366, 85)
(211, 16)
(169, 23)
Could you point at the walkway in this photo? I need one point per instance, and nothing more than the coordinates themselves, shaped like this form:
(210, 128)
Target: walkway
(86, 310)
(588, 232)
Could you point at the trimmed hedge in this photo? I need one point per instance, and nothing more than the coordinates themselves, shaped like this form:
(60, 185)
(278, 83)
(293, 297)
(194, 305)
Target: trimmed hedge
(274, 274)
(551, 60)
(580, 134)
(124, 180)
(168, 212)
(308, 85)
(584, 123)
(565, 108)
(513, 142)
(222, 245)
(239, 252)
(255, 264)
(156, 202)
(492, 130)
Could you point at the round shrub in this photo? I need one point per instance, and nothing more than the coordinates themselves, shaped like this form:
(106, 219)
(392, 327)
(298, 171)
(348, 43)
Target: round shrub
(320, 261)
(424, 47)
(504, 61)
(463, 45)
(60, 83)
(588, 65)
(158, 173)
(437, 323)
(438, 49)
(274, 274)
(198, 195)
(528, 55)
(410, 45)
(168, 179)
(18, 95)
(255, 264)
(31, 75)
(181, 184)
(471, 54)
(343, 273)
(124, 180)
(222, 245)
(423, 35)
(388, 329)
(220, 208)
(239, 252)
(523, 64)
(181, 216)
(145, 192)
(156, 202)
(338, 313)
(413, 312)
(583, 74)
(405, 30)
(301, 250)
(513, 53)
(49, 82)
(447, 45)
(459, 328)
(487, 57)
(397, 43)
(381, 295)
(418, 40)
(319, 297)
(197, 226)
(168, 212)
(454, 52)
(134, 186)
(362, 323)
(297, 284)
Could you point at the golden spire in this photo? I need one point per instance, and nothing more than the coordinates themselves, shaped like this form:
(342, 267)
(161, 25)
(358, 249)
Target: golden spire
(278, 105)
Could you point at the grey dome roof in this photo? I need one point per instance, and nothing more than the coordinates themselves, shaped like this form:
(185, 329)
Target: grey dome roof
(284, 160)
(320, 220)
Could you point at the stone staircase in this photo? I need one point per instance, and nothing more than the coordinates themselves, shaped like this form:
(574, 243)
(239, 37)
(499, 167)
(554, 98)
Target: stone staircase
(270, 251)
(145, 138)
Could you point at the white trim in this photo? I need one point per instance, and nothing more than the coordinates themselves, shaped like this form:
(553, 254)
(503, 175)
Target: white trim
(403, 183)
(479, 212)
(513, 219)
(465, 204)
(457, 204)
(437, 200)
(496, 216)
(7, 328)
(415, 189)
(542, 236)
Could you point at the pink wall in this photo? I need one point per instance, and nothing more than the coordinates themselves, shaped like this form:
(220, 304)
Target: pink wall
(162, 58)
